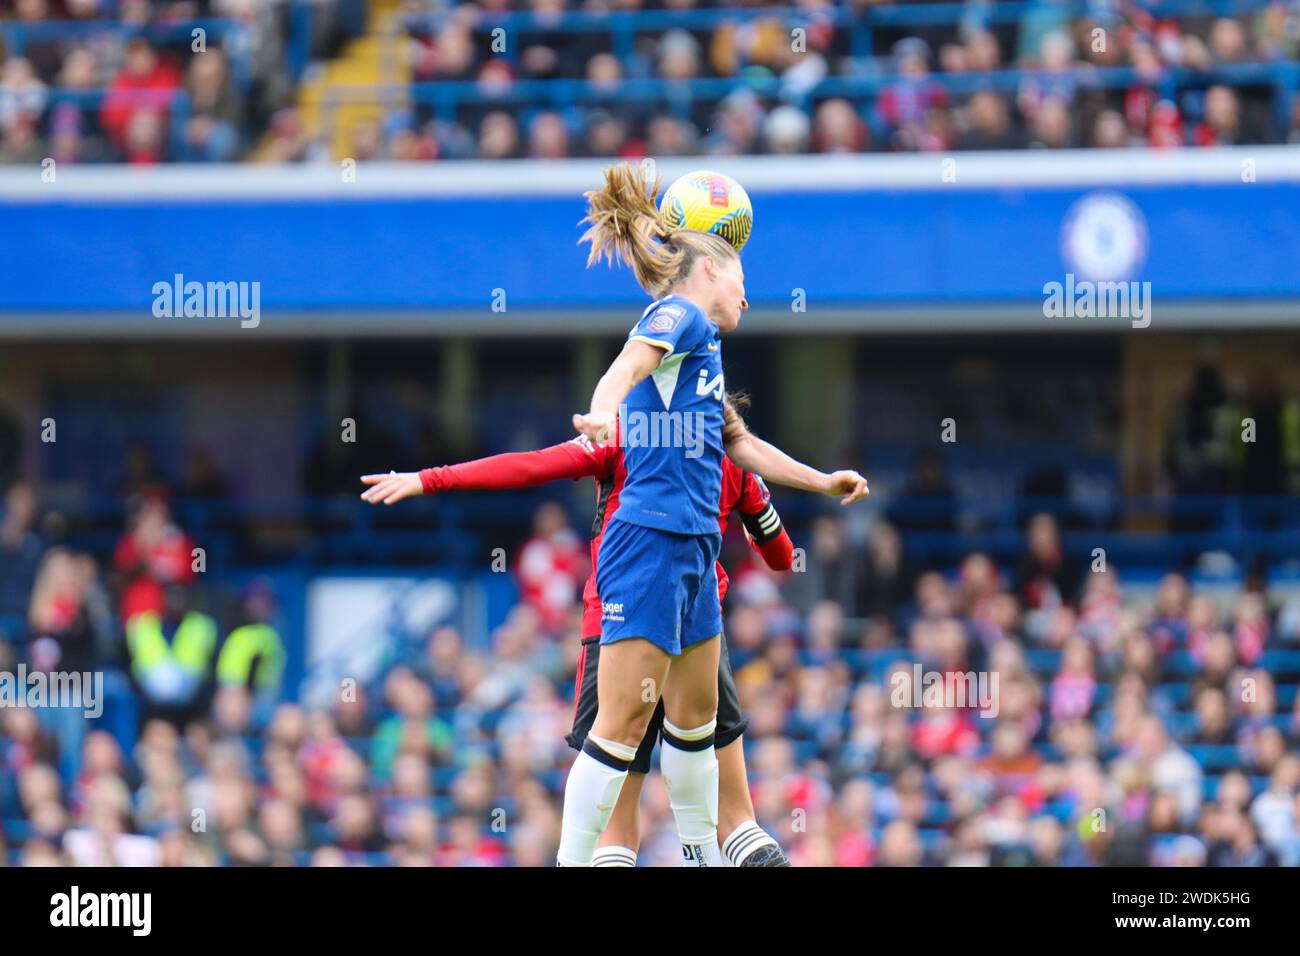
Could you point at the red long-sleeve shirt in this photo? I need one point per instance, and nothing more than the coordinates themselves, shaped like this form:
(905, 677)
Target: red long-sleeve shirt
(742, 491)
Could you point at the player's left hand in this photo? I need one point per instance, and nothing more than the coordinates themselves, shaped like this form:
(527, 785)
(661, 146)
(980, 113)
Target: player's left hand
(597, 426)
(849, 484)
(391, 488)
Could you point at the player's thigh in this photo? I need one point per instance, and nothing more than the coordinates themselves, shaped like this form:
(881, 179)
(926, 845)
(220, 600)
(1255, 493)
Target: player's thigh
(628, 684)
(691, 691)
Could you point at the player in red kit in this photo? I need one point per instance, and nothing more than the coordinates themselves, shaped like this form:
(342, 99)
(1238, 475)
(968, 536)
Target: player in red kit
(743, 841)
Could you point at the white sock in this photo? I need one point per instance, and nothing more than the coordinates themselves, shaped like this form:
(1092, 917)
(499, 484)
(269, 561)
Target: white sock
(691, 776)
(614, 856)
(594, 783)
(744, 840)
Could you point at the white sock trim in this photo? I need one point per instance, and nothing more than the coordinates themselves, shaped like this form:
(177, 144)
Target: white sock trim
(614, 856)
(695, 733)
(621, 751)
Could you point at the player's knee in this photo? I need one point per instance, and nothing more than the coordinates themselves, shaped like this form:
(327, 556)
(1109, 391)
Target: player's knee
(693, 709)
(692, 713)
(626, 728)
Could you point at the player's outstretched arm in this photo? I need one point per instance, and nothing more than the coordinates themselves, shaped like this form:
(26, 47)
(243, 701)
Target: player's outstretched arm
(572, 459)
(770, 463)
(391, 488)
(637, 360)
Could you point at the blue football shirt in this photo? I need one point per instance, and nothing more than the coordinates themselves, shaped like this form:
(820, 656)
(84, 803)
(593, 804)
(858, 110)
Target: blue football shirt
(670, 425)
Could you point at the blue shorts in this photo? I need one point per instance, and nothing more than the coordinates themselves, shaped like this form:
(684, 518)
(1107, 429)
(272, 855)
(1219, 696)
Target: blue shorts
(658, 585)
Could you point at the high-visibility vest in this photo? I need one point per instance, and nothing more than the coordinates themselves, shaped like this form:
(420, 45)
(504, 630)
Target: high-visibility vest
(191, 647)
(245, 644)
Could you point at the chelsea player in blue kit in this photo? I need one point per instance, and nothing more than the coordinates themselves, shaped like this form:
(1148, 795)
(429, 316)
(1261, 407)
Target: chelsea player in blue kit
(663, 398)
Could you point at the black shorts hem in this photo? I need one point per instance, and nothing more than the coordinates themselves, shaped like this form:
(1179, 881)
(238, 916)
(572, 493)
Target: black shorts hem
(729, 735)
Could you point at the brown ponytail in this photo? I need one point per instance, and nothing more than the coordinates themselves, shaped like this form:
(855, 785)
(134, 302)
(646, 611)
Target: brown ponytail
(738, 400)
(625, 225)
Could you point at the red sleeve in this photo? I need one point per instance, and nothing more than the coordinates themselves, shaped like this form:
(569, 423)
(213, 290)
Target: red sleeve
(766, 532)
(754, 495)
(778, 552)
(571, 459)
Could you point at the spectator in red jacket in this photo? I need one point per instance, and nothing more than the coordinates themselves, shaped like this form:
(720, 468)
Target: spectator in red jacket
(154, 552)
(143, 88)
(552, 563)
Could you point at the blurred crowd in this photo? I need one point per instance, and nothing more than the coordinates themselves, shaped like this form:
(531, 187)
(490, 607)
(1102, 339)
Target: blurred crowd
(1129, 726)
(977, 81)
(150, 646)
(1051, 100)
(147, 81)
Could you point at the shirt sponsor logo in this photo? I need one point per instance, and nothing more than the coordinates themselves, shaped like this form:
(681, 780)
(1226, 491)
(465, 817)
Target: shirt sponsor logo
(705, 385)
(611, 612)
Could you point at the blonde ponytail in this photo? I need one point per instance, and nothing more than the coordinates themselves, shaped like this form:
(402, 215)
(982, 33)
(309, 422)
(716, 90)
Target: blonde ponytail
(625, 225)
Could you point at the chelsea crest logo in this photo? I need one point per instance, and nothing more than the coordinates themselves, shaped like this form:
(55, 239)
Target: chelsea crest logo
(1104, 237)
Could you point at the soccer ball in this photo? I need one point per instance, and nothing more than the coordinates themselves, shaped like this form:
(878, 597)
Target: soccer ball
(709, 202)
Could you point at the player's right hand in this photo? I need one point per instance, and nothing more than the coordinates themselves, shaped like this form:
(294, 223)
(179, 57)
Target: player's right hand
(597, 426)
(391, 488)
(849, 484)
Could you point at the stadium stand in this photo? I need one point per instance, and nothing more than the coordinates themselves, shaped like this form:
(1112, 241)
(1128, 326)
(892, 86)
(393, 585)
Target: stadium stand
(1159, 691)
(1147, 645)
(302, 80)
